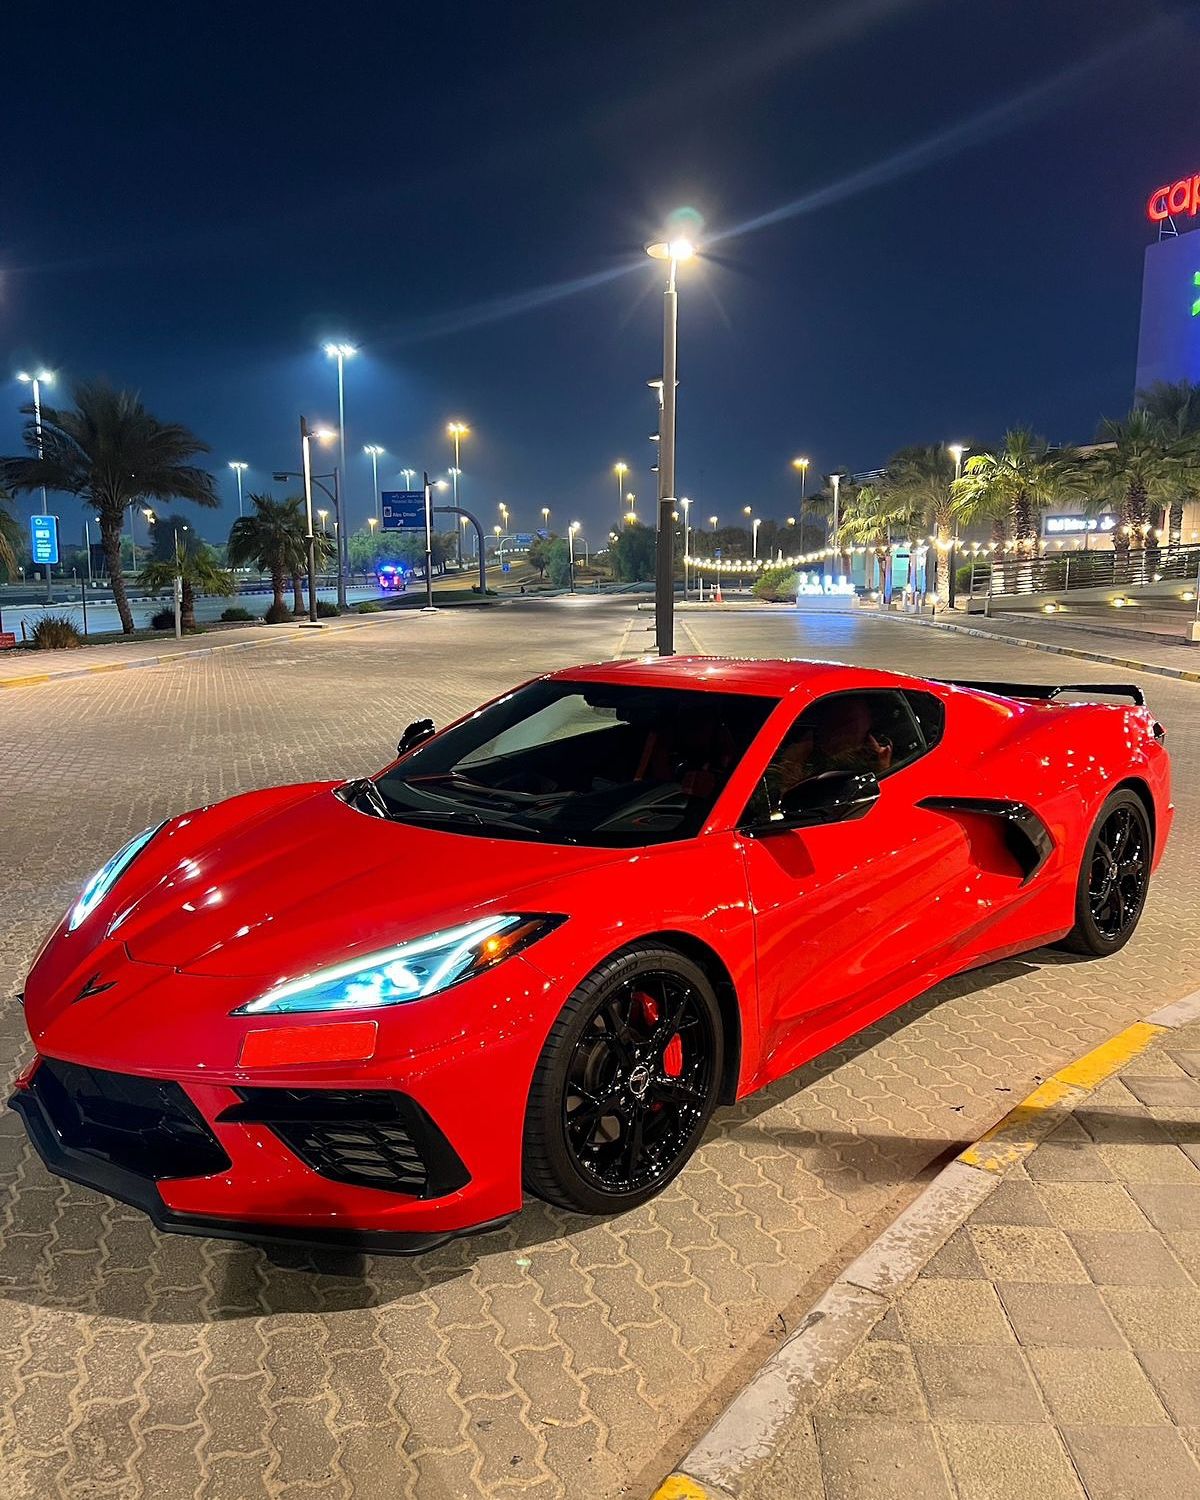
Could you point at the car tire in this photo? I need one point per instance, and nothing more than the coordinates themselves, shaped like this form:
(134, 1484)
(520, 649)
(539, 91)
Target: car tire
(626, 1082)
(1113, 877)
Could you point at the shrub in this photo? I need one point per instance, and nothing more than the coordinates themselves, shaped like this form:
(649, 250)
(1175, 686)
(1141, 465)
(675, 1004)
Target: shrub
(369, 607)
(163, 619)
(236, 612)
(278, 614)
(777, 585)
(55, 633)
(326, 609)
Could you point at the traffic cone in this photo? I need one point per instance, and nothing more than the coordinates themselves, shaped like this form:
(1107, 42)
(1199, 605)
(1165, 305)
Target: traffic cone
(716, 598)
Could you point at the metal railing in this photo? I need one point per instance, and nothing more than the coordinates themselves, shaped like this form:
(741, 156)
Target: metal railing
(1061, 572)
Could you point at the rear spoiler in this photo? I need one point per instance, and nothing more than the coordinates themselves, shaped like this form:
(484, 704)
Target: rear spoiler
(1046, 692)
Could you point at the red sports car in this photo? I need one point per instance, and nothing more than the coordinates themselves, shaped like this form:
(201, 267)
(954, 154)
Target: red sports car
(540, 947)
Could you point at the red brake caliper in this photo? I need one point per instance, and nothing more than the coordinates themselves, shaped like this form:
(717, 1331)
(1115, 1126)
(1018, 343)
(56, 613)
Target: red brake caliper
(673, 1052)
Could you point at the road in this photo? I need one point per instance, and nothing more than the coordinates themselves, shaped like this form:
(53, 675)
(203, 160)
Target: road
(558, 1356)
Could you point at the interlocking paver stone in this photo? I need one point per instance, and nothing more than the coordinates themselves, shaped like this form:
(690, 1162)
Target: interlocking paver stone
(137, 1365)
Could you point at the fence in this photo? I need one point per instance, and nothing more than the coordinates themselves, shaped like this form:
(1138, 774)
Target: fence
(1063, 571)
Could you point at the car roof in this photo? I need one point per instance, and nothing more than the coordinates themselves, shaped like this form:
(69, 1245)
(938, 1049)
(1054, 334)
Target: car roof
(774, 676)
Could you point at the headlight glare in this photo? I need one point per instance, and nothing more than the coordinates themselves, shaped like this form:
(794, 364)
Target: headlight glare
(106, 877)
(409, 971)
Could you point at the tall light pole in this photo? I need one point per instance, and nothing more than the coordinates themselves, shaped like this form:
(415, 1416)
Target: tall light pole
(504, 514)
(43, 377)
(620, 470)
(801, 467)
(239, 469)
(409, 476)
(673, 252)
(835, 480)
(571, 530)
(375, 450)
(685, 505)
(456, 431)
(956, 451)
(306, 435)
(545, 518)
(341, 352)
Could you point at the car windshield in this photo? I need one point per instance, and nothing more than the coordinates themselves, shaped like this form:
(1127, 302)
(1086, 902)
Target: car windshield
(575, 762)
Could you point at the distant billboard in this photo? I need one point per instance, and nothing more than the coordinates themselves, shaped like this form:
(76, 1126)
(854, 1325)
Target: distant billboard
(1169, 336)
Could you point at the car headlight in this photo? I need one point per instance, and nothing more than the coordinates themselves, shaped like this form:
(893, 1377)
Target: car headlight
(106, 877)
(409, 971)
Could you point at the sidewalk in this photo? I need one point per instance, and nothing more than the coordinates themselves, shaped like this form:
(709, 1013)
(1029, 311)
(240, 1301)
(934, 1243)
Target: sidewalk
(1050, 1348)
(29, 668)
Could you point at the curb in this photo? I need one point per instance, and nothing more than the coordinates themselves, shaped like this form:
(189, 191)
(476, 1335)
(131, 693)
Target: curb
(793, 1379)
(37, 678)
(1075, 651)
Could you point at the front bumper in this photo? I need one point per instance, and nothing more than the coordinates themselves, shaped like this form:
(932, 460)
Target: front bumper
(138, 1140)
(436, 1152)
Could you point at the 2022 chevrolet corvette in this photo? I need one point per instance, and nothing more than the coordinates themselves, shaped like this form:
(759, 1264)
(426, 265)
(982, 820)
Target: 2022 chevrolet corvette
(542, 945)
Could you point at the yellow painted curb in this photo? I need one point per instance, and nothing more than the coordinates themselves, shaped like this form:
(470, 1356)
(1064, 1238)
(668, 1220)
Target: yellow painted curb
(680, 1487)
(1016, 1135)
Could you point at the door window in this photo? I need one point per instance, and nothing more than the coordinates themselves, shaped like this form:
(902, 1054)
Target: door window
(874, 731)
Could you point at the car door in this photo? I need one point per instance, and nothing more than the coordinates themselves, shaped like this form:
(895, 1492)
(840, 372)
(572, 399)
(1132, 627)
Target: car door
(850, 917)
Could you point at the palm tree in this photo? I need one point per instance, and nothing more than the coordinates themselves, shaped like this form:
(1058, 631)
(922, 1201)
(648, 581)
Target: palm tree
(1143, 464)
(10, 534)
(1017, 482)
(110, 452)
(196, 567)
(924, 475)
(1176, 404)
(273, 539)
(875, 516)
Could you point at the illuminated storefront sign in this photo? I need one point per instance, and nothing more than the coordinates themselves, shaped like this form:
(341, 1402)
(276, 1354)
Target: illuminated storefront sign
(1182, 197)
(1077, 525)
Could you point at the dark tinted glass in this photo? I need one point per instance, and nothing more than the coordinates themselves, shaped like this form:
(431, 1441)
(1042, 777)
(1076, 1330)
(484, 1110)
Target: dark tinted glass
(580, 762)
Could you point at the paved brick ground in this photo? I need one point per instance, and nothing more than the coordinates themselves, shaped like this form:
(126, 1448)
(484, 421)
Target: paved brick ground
(1052, 1347)
(558, 1356)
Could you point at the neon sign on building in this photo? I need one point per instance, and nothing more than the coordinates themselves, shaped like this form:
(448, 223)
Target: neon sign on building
(1182, 197)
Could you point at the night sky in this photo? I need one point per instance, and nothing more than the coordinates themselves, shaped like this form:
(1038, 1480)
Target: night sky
(196, 196)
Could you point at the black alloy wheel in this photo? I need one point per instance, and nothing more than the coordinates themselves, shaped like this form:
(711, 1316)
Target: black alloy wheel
(1114, 876)
(625, 1084)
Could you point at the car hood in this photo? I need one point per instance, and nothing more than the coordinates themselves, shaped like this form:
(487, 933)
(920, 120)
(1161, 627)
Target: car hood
(277, 892)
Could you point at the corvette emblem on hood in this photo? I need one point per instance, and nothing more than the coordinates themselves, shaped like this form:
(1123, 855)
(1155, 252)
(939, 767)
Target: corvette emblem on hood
(91, 988)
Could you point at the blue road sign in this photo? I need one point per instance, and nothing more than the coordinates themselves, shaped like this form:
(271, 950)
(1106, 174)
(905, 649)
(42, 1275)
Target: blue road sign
(506, 567)
(717, 553)
(403, 510)
(43, 536)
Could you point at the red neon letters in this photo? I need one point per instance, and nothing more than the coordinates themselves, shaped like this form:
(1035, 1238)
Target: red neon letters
(1182, 197)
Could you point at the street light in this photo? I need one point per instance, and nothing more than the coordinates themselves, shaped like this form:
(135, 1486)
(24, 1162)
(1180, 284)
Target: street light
(375, 450)
(687, 506)
(504, 514)
(545, 518)
(801, 466)
(43, 377)
(571, 530)
(674, 252)
(409, 476)
(712, 521)
(835, 480)
(620, 470)
(324, 515)
(322, 434)
(456, 432)
(239, 469)
(372, 522)
(956, 451)
(341, 352)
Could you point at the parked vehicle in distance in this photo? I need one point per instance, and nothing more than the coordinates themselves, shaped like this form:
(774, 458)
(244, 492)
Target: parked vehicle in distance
(541, 946)
(391, 578)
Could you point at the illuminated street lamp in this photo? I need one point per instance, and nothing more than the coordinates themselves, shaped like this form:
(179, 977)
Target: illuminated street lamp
(409, 476)
(686, 506)
(456, 431)
(46, 377)
(545, 518)
(956, 451)
(375, 450)
(322, 434)
(504, 514)
(372, 522)
(341, 352)
(712, 521)
(571, 530)
(620, 470)
(674, 252)
(239, 469)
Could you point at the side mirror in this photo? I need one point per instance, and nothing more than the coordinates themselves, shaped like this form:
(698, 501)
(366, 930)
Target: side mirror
(834, 797)
(418, 730)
